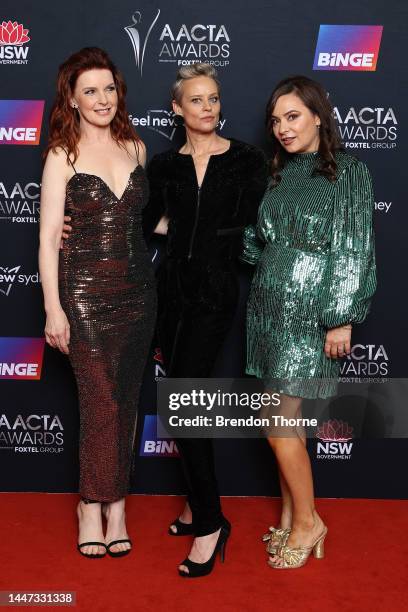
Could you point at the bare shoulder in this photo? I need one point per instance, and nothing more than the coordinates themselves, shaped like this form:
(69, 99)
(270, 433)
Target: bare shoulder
(137, 150)
(57, 164)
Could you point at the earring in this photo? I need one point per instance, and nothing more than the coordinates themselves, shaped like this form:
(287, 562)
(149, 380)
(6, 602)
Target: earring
(318, 126)
(178, 120)
(75, 106)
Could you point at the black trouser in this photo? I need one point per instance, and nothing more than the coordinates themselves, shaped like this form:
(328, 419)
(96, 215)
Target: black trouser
(196, 309)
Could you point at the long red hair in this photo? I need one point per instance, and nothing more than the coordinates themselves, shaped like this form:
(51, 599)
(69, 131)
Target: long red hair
(64, 120)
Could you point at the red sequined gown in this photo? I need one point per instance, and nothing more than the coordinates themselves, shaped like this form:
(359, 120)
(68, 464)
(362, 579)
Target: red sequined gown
(107, 290)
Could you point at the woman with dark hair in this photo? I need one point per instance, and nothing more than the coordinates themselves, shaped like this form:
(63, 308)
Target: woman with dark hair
(99, 294)
(315, 276)
(208, 191)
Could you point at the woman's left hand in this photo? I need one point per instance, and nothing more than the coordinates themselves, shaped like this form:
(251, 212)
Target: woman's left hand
(338, 342)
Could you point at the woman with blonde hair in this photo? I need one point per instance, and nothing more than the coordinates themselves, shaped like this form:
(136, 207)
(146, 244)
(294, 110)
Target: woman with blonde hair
(207, 192)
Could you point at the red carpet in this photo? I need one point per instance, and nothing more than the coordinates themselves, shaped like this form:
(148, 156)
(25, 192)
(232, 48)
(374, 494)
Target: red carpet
(365, 566)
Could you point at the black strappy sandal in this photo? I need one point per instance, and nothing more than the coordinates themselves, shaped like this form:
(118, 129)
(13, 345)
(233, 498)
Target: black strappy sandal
(92, 556)
(120, 553)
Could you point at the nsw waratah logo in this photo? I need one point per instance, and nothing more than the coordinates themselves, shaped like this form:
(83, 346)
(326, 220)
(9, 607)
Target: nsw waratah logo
(334, 431)
(13, 37)
(334, 436)
(13, 33)
(347, 47)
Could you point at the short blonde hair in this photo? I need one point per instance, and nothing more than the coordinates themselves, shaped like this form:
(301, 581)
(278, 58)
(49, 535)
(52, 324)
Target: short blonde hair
(191, 72)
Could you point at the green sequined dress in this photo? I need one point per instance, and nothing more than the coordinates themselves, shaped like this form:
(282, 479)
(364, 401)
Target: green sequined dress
(314, 250)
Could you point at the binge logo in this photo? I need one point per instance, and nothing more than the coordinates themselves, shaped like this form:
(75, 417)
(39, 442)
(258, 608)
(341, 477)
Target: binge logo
(20, 121)
(347, 47)
(151, 446)
(21, 358)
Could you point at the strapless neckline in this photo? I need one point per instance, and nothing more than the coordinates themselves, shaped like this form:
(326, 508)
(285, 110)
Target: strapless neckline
(118, 199)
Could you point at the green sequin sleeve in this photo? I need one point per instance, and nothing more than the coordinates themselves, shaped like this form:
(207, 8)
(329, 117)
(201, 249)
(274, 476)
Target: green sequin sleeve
(252, 245)
(350, 280)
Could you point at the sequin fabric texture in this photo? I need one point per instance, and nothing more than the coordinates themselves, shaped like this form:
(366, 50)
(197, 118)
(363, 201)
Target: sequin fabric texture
(314, 250)
(107, 289)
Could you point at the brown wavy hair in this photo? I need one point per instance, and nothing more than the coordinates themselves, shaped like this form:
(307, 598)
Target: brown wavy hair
(314, 96)
(64, 120)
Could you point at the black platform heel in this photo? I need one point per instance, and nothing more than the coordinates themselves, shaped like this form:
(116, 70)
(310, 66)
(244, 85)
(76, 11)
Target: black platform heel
(196, 570)
(183, 529)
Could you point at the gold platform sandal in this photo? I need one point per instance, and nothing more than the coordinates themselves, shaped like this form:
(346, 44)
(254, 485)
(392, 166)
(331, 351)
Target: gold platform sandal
(296, 557)
(274, 538)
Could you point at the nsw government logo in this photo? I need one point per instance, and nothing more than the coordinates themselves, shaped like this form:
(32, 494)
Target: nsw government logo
(159, 371)
(13, 43)
(177, 43)
(20, 121)
(21, 358)
(334, 436)
(347, 47)
(151, 445)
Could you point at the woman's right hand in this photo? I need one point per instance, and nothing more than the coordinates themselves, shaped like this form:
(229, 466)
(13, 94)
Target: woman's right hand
(57, 331)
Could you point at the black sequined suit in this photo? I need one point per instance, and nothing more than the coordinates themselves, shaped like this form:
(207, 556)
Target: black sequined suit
(197, 284)
(107, 290)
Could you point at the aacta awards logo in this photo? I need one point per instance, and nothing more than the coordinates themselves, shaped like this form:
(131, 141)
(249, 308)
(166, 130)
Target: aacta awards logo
(334, 439)
(34, 433)
(20, 202)
(138, 40)
(151, 445)
(366, 362)
(180, 44)
(367, 127)
(13, 37)
(20, 121)
(347, 47)
(21, 358)
(10, 276)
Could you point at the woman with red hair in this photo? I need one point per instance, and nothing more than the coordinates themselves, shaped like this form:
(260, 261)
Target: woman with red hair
(99, 293)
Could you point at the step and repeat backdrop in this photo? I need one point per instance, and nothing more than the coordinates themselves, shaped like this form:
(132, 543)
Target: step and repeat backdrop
(356, 49)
